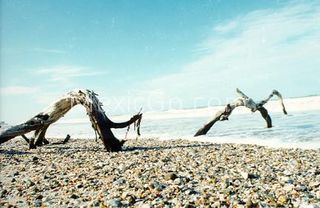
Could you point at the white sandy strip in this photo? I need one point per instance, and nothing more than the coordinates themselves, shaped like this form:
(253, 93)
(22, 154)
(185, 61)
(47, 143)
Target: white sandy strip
(292, 105)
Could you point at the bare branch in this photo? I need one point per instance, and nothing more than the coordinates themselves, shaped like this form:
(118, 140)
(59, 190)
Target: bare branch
(100, 122)
(246, 101)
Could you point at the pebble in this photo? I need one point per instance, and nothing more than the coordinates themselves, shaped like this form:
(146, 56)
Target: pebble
(170, 176)
(177, 181)
(74, 196)
(114, 203)
(37, 203)
(282, 200)
(154, 173)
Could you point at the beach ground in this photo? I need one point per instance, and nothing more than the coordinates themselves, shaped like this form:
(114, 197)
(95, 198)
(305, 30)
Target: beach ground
(155, 173)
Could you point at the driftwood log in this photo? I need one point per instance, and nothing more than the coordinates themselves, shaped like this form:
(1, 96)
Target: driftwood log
(245, 101)
(41, 122)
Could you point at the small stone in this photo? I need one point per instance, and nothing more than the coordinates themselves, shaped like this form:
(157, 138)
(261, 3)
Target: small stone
(288, 187)
(286, 179)
(249, 202)
(3, 192)
(114, 203)
(287, 173)
(34, 159)
(119, 182)
(96, 203)
(37, 203)
(74, 196)
(245, 175)
(295, 194)
(145, 206)
(177, 181)
(29, 183)
(157, 186)
(301, 188)
(314, 184)
(282, 200)
(39, 196)
(190, 192)
(131, 199)
(170, 176)
(217, 204)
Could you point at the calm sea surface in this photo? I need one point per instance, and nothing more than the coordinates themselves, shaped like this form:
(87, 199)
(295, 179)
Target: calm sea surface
(299, 129)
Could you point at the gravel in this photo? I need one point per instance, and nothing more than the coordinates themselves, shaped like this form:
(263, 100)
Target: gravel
(156, 173)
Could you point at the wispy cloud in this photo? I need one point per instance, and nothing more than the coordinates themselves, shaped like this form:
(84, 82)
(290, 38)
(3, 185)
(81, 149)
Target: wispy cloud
(17, 90)
(66, 73)
(48, 50)
(258, 51)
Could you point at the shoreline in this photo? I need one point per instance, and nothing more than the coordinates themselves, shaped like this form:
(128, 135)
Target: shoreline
(158, 173)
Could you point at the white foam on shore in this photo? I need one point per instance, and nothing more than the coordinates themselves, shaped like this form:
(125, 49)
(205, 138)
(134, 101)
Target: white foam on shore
(292, 105)
(299, 129)
(273, 142)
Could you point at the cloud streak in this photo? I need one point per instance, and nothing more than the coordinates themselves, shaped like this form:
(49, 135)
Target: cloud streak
(66, 73)
(259, 51)
(17, 90)
(46, 50)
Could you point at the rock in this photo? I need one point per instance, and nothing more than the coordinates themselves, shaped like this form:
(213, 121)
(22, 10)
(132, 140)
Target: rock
(157, 186)
(286, 179)
(314, 184)
(244, 175)
(29, 183)
(185, 180)
(145, 206)
(34, 158)
(216, 204)
(114, 203)
(96, 203)
(249, 202)
(301, 188)
(170, 176)
(74, 196)
(190, 192)
(287, 173)
(3, 193)
(247, 175)
(177, 181)
(119, 182)
(37, 203)
(282, 200)
(253, 176)
(288, 187)
(131, 199)
(39, 196)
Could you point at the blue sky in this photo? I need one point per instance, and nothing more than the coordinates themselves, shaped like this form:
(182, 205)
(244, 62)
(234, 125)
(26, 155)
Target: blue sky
(157, 54)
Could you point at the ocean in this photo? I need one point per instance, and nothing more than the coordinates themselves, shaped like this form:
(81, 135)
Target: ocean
(299, 129)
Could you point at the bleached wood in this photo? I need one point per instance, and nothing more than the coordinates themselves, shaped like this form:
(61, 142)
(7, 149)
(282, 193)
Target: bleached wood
(41, 122)
(247, 102)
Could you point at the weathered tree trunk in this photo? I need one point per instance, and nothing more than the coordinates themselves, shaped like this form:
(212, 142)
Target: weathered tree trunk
(41, 122)
(245, 101)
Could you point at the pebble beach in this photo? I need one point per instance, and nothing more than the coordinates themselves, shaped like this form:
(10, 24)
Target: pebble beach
(157, 173)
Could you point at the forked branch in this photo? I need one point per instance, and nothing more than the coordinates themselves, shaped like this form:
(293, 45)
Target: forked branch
(41, 122)
(245, 101)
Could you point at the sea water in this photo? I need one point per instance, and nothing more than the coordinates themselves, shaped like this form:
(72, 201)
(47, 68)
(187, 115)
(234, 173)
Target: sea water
(295, 130)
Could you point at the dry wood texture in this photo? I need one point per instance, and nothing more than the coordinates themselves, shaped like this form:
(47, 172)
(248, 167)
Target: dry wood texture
(41, 122)
(245, 101)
